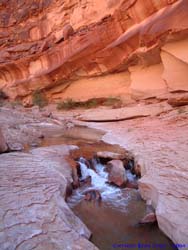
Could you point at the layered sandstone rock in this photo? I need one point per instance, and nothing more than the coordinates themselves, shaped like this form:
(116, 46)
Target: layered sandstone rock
(109, 37)
(33, 212)
(22, 128)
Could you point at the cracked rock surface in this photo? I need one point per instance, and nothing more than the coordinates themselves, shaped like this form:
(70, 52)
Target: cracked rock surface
(33, 212)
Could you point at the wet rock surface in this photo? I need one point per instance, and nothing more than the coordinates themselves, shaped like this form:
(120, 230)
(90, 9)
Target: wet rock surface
(92, 195)
(149, 219)
(117, 174)
(33, 212)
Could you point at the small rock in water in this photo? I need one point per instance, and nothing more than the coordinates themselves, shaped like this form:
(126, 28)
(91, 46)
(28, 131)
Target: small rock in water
(92, 195)
(86, 181)
(149, 219)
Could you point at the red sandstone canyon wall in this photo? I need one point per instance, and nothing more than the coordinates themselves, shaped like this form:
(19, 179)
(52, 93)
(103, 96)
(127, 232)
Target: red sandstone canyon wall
(129, 48)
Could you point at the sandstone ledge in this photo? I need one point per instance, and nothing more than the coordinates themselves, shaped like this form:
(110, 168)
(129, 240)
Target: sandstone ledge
(126, 113)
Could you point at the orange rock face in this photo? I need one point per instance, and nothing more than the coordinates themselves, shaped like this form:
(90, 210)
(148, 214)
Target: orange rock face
(109, 37)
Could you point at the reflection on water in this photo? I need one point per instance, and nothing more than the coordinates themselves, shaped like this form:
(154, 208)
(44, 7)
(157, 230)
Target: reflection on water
(111, 226)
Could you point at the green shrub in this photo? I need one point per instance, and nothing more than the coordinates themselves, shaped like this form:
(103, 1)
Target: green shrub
(70, 104)
(39, 98)
(91, 103)
(67, 104)
(110, 101)
(113, 102)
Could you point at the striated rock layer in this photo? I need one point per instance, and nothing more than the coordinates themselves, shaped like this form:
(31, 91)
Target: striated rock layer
(146, 40)
(33, 212)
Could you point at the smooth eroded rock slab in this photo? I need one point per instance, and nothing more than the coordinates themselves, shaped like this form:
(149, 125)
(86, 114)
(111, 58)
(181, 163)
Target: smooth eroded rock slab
(126, 113)
(147, 81)
(33, 212)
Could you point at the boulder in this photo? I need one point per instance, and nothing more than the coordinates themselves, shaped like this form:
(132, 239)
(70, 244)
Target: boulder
(117, 174)
(3, 145)
(34, 213)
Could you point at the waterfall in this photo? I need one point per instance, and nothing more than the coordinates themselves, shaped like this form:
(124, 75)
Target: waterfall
(99, 177)
(84, 170)
(111, 195)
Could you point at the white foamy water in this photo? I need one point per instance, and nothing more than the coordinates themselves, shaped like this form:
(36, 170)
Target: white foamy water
(130, 176)
(113, 196)
(84, 170)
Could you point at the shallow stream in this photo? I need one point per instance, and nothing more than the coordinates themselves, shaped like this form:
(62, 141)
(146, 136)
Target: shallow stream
(113, 221)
